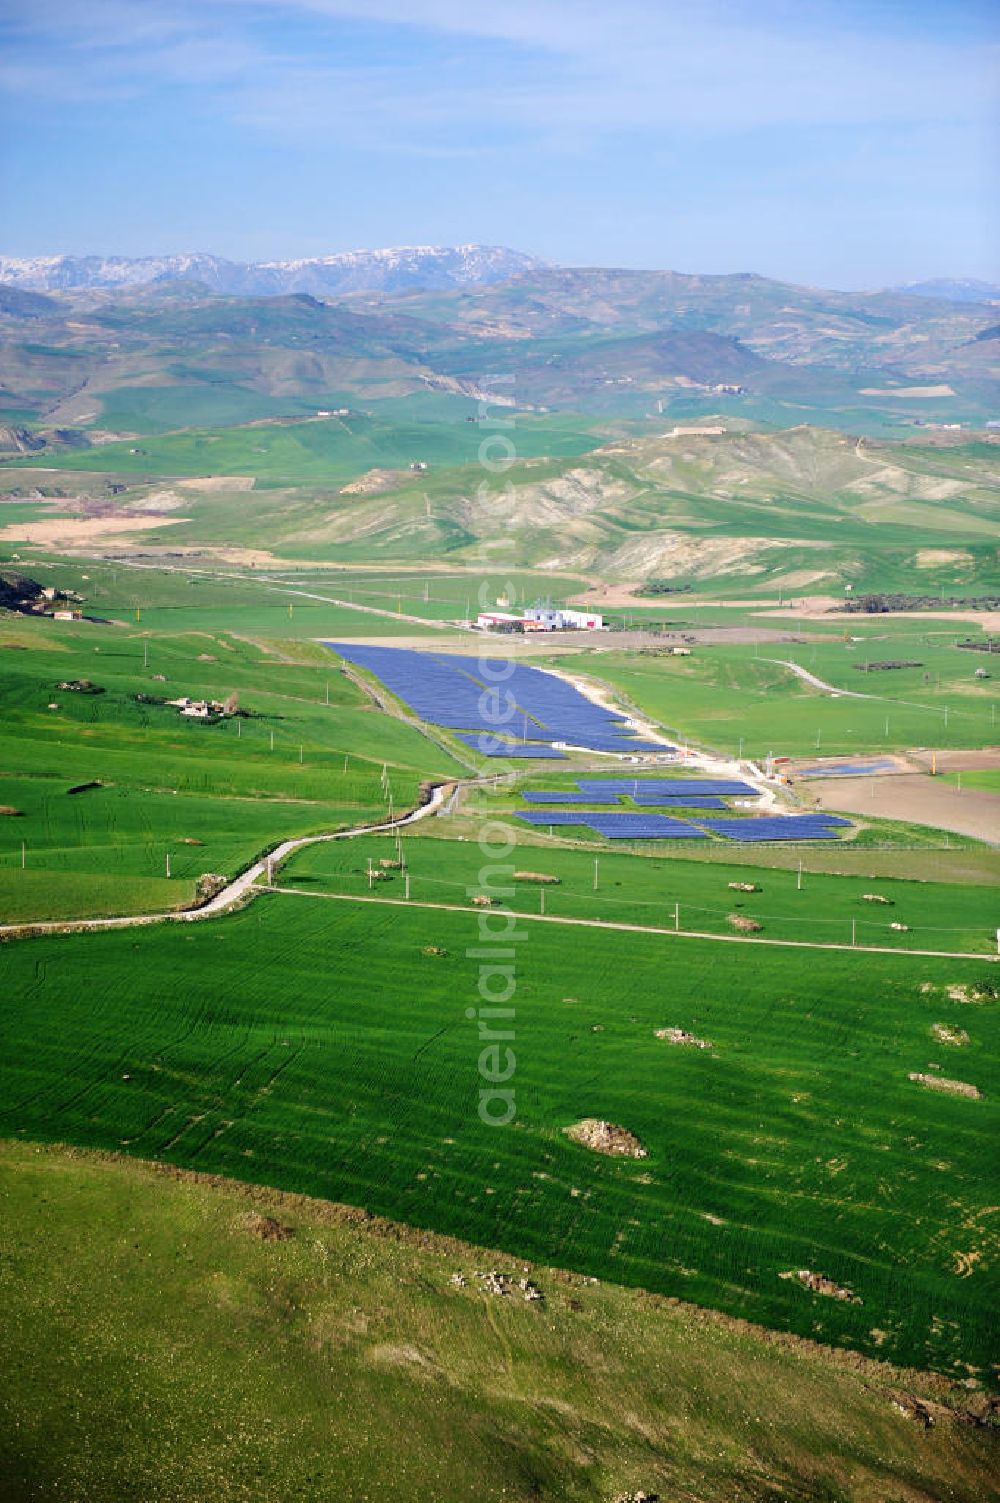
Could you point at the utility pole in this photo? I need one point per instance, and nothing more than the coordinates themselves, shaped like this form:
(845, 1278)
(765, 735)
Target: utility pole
(854, 931)
(272, 741)
(168, 863)
(145, 654)
(541, 900)
(300, 754)
(798, 884)
(24, 855)
(595, 873)
(407, 885)
(328, 691)
(239, 728)
(677, 918)
(369, 874)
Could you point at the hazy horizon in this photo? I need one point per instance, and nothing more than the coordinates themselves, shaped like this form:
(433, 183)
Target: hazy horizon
(838, 145)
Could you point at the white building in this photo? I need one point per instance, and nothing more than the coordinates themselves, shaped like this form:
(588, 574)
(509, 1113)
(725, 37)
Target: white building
(552, 618)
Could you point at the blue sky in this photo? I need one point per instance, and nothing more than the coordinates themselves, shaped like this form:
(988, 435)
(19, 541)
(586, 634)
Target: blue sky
(843, 144)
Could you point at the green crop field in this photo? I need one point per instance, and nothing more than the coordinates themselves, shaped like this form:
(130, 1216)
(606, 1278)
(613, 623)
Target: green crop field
(307, 756)
(316, 1045)
(254, 1384)
(725, 696)
(655, 891)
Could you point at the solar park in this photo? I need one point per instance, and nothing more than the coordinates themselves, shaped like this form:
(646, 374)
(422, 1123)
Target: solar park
(505, 704)
(473, 697)
(674, 793)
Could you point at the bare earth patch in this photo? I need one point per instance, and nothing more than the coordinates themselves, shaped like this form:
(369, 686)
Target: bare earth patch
(606, 1137)
(69, 532)
(917, 799)
(264, 1228)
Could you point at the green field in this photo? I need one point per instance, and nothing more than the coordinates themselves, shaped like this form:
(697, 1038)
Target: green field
(313, 1045)
(726, 696)
(654, 890)
(292, 1369)
(306, 757)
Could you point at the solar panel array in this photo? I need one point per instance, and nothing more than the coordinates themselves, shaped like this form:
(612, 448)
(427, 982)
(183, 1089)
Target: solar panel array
(564, 796)
(716, 787)
(776, 827)
(847, 769)
(495, 695)
(615, 826)
(675, 801)
(489, 746)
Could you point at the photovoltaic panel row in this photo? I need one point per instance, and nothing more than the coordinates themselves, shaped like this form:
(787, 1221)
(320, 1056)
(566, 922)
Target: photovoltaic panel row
(624, 826)
(673, 801)
(488, 746)
(717, 787)
(562, 796)
(776, 827)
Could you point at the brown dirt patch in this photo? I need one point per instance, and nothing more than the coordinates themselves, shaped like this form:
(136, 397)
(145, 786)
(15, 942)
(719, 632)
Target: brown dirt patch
(917, 799)
(606, 1137)
(71, 532)
(264, 1228)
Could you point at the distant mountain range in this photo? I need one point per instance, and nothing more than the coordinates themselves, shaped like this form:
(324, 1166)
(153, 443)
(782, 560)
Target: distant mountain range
(427, 267)
(954, 290)
(397, 269)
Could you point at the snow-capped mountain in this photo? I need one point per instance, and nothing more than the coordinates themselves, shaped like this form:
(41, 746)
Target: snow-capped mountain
(390, 270)
(954, 290)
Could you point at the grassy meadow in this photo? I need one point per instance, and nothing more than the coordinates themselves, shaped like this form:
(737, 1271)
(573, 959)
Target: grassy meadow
(652, 890)
(256, 1384)
(306, 756)
(324, 1047)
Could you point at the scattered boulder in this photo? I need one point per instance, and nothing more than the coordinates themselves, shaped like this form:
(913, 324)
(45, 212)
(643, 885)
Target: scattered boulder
(941, 1083)
(818, 1283)
(900, 928)
(745, 887)
(536, 877)
(482, 901)
(679, 1036)
(606, 1137)
(9, 809)
(433, 950)
(876, 897)
(80, 686)
(945, 1033)
(744, 925)
(208, 885)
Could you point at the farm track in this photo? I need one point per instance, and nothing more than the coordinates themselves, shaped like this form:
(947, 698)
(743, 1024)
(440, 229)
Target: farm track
(243, 888)
(585, 923)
